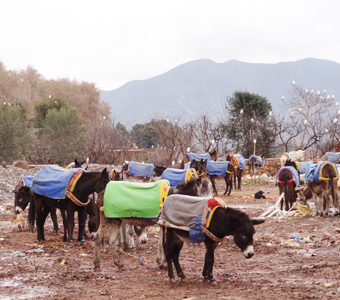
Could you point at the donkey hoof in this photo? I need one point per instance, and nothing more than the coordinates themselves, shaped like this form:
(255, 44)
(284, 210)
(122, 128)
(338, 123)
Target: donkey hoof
(213, 282)
(172, 280)
(185, 280)
(97, 269)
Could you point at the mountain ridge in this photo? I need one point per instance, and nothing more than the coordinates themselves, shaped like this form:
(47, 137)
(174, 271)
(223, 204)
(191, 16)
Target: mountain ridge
(202, 86)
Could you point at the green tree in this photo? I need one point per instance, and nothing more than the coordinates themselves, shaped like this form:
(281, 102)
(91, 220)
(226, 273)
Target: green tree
(121, 129)
(66, 133)
(249, 120)
(15, 137)
(144, 135)
(43, 106)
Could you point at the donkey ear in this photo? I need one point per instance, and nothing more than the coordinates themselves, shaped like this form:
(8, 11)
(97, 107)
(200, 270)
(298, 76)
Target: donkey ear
(257, 221)
(104, 172)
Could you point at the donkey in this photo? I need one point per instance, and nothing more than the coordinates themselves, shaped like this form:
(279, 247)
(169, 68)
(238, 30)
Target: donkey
(88, 183)
(238, 162)
(287, 180)
(138, 171)
(224, 222)
(188, 157)
(112, 225)
(216, 170)
(23, 196)
(324, 187)
(255, 162)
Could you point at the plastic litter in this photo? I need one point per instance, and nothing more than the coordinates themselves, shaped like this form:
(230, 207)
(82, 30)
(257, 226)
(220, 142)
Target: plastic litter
(327, 285)
(20, 255)
(295, 237)
(38, 250)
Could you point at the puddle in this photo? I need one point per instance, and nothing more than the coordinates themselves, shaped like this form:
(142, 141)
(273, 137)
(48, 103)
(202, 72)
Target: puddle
(30, 292)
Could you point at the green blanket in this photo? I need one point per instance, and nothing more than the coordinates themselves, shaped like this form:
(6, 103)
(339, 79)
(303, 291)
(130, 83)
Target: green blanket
(124, 199)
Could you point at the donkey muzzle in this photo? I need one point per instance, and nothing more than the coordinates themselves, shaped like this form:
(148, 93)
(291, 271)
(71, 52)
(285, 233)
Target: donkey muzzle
(249, 252)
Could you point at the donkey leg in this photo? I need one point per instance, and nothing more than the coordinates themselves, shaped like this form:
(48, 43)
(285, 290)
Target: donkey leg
(114, 231)
(213, 186)
(70, 219)
(63, 215)
(82, 222)
(42, 213)
(98, 237)
(131, 239)
(336, 202)
(53, 214)
(121, 240)
(326, 203)
(318, 210)
(175, 258)
(226, 185)
(209, 260)
(170, 240)
(160, 250)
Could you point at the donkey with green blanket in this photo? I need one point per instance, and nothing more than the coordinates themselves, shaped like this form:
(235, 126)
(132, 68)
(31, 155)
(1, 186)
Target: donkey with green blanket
(133, 203)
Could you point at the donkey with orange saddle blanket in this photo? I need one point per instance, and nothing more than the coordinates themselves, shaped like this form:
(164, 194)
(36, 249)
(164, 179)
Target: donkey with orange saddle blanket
(66, 189)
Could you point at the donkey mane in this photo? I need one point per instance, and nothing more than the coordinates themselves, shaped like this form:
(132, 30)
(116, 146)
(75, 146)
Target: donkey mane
(237, 213)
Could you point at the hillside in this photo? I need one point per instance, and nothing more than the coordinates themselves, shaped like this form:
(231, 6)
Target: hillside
(202, 86)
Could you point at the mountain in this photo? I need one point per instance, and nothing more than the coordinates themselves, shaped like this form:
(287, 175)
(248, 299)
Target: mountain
(202, 87)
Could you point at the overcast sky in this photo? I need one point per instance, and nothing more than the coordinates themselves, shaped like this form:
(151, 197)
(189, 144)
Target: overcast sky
(111, 43)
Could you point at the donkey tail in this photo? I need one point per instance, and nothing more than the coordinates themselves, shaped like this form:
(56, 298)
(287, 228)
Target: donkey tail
(31, 213)
(334, 195)
(286, 193)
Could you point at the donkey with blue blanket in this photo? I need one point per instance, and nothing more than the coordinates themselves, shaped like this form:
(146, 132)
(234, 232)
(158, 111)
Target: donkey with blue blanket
(322, 181)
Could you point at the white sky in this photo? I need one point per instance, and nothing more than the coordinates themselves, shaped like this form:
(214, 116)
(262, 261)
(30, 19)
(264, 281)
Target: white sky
(111, 43)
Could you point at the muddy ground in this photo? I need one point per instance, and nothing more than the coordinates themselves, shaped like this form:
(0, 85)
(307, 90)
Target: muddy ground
(280, 269)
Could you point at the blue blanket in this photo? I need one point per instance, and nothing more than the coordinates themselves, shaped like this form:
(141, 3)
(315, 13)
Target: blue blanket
(27, 180)
(295, 175)
(195, 156)
(259, 160)
(52, 181)
(314, 170)
(218, 168)
(175, 176)
(333, 156)
(303, 166)
(141, 170)
(241, 161)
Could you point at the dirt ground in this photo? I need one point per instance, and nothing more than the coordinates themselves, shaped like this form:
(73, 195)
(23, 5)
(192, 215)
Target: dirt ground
(280, 269)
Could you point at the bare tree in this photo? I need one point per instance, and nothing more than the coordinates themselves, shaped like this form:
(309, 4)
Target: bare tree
(173, 140)
(206, 133)
(308, 117)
